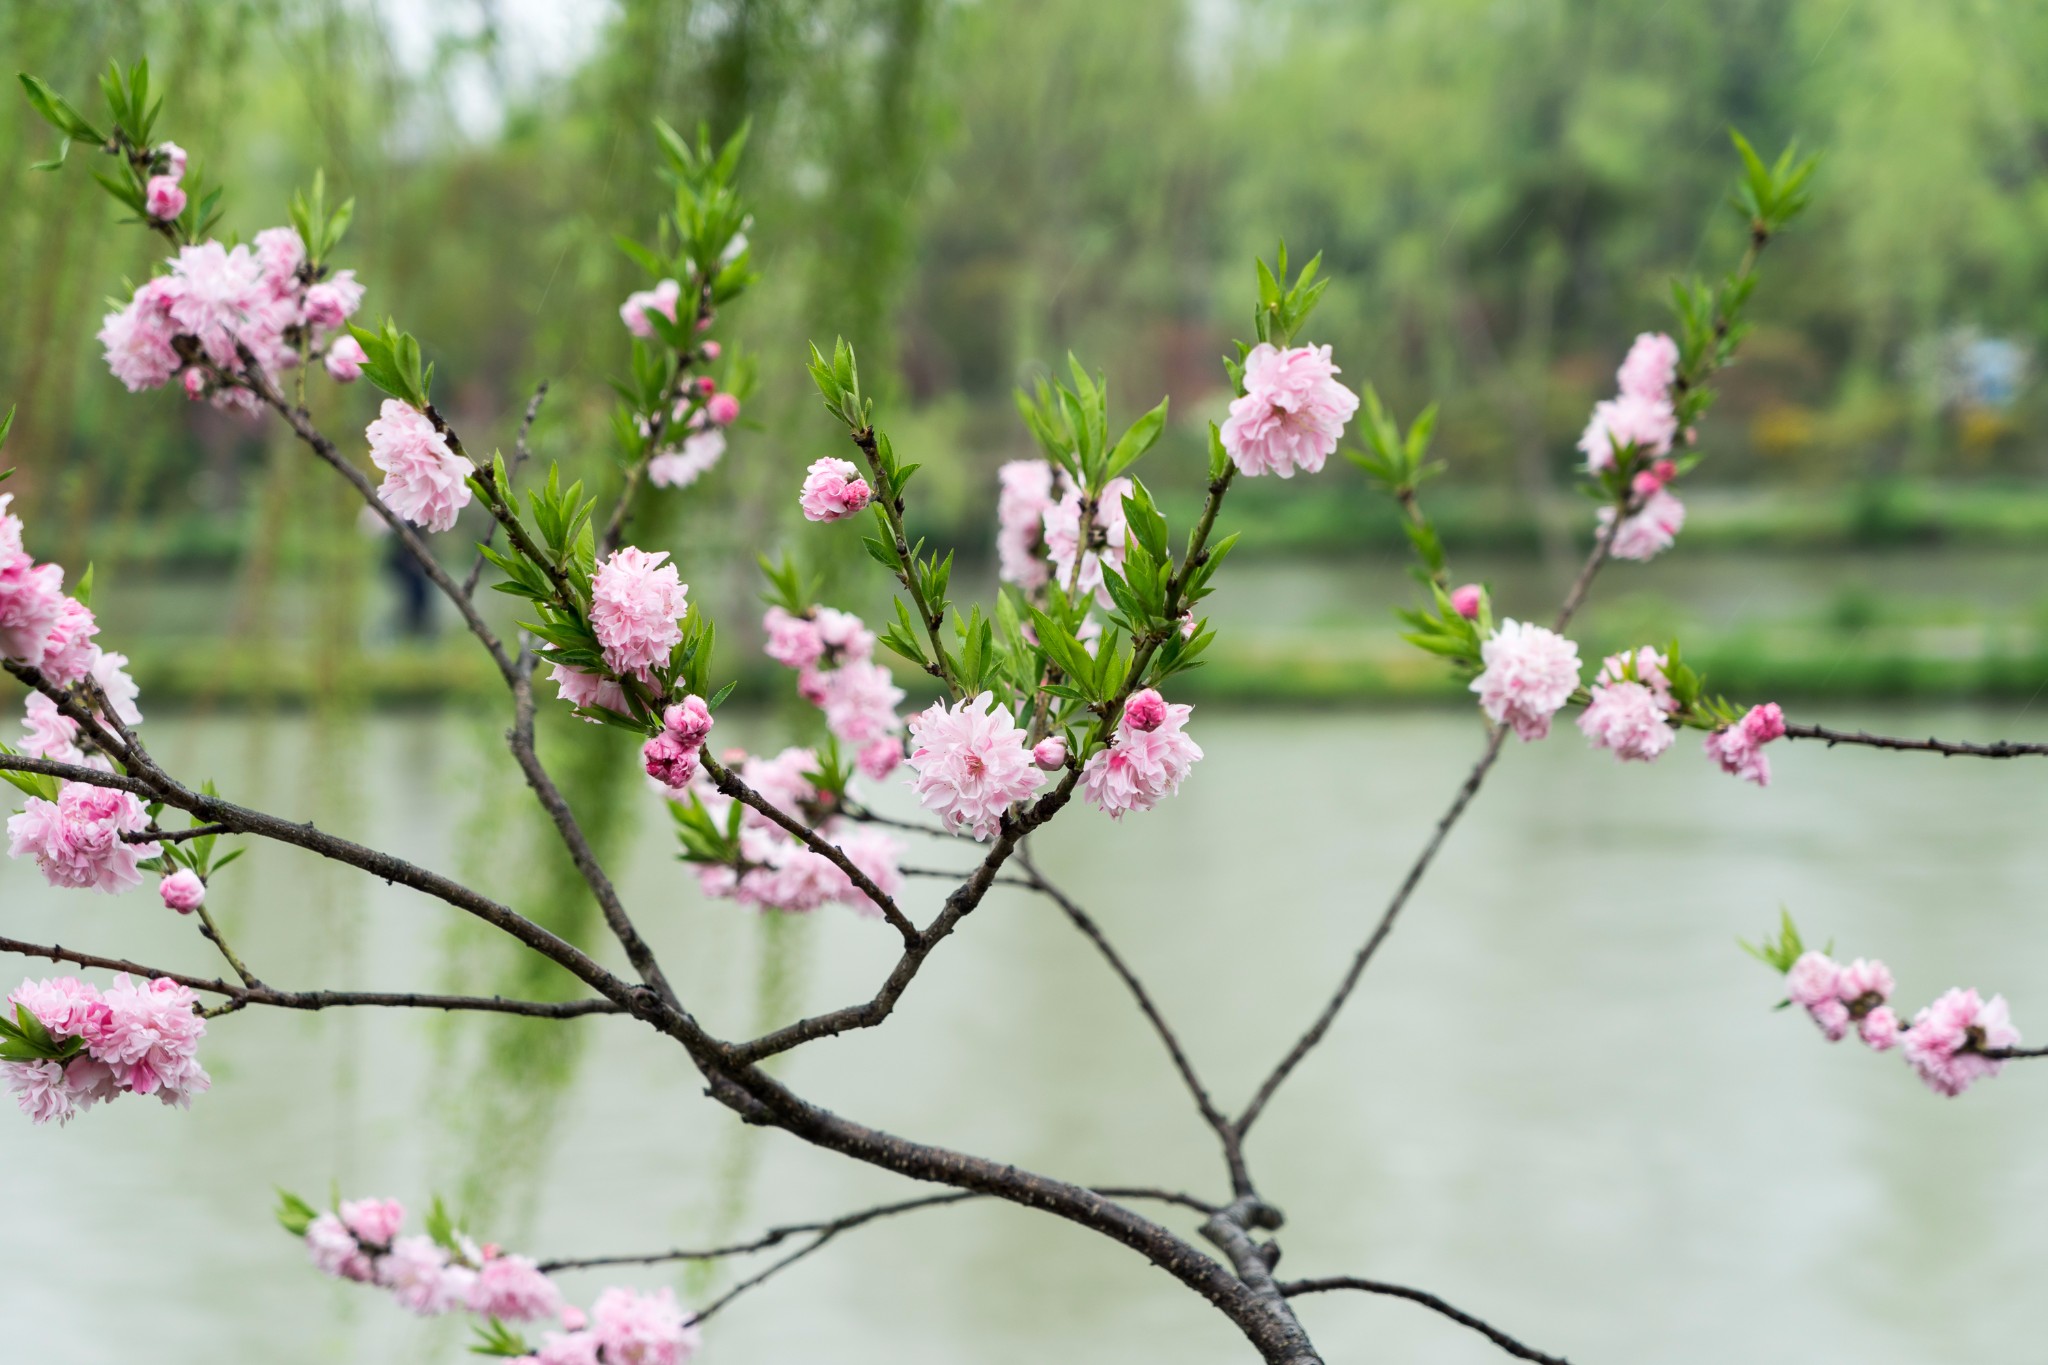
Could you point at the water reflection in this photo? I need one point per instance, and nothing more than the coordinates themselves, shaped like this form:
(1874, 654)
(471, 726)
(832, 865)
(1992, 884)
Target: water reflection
(1561, 1100)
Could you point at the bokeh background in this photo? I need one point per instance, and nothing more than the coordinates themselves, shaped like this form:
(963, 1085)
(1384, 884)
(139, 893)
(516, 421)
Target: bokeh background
(1613, 1149)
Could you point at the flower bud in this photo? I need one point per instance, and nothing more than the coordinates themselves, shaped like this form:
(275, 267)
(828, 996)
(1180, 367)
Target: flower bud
(706, 385)
(689, 721)
(1465, 601)
(175, 156)
(345, 359)
(183, 891)
(194, 380)
(711, 350)
(668, 761)
(164, 199)
(1145, 711)
(1050, 753)
(723, 409)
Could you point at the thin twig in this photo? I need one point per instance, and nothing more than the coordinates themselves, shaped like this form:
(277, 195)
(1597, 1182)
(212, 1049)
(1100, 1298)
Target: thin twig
(520, 455)
(1947, 748)
(172, 836)
(1427, 1300)
(319, 1000)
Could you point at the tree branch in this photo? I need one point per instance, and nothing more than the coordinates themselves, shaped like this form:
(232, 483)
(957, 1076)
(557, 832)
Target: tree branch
(1945, 747)
(1427, 1300)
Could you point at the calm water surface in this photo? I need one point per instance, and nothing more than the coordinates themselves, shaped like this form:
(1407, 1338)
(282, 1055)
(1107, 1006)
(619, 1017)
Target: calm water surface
(1562, 1100)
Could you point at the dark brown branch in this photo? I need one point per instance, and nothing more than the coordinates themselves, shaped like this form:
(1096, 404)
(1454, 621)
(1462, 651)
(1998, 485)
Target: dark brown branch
(172, 836)
(731, 784)
(1427, 1300)
(1947, 748)
(1230, 1228)
(318, 1000)
(1226, 1133)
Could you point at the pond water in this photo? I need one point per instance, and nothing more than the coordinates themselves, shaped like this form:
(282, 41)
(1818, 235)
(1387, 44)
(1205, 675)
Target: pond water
(1562, 1099)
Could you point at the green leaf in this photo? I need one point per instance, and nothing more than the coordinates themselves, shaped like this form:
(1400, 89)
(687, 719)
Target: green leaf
(57, 112)
(294, 1214)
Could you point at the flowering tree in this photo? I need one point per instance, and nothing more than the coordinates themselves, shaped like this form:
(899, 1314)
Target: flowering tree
(1057, 689)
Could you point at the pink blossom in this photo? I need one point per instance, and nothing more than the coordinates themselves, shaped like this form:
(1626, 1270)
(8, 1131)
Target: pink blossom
(217, 291)
(31, 603)
(1738, 748)
(193, 381)
(642, 1329)
(375, 1221)
(1103, 542)
(689, 720)
(669, 761)
(1880, 1029)
(331, 303)
(66, 1006)
(1833, 1018)
(971, 763)
(1813, 979)
(150, 1039)
(174, 158)
(49, 733)
(1292, 412)
(833, 489)
(1025, 495)
(1650, 530)
(793, 641)
(581, 688)
(785, 875)
(860, 702)
(10, 528)
(662, 299)
(110, 675)
(182, 891)
(68, 650)
(1146, 760)
(1651, 367)
(76, 839)
(782, 781)
(711, 350)
(1627, 718)
(163, 199)
(345, 359)
(1648, 424)
(1946, 1040)
(421, 1279)
(425, 481)
(1862, 979)
(41, 1091)
(1050, 753)
(880, 757)
(1465, 600)
(846, 640)
(723, 409)
(706, 385)
(138, 337)
(1648, 668)
(512, 1288)
(336, 1252)
(637, 602)
(575, 1347)
(681, 468)
(280, 252)
(1144, 710)
(1530, 672)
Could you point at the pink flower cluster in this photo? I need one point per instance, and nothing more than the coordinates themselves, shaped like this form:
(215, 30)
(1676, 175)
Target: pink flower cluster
(1659, 516)
(1529, 673)
(1292, 412)
(1147, 758)
(775, 871)
(661, 299)
(1025, 494)
(1945, 1043)
(679, 466)
(139, 1037)
(637, 604)
(833, 654)
(1630, 716)
(360, 1241)
(972, 763)
(624, 1327)
(1641, 415)
(833, 489)
(76, 839)
(671, 756)
(218, 302)
(1739, 748)
(1080, 553)
(425, 481)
